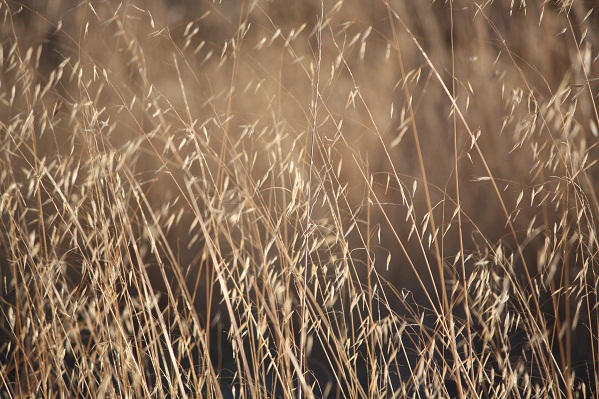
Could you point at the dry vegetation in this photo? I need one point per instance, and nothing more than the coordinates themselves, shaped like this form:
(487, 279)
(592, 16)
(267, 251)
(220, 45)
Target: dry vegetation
(288, 199)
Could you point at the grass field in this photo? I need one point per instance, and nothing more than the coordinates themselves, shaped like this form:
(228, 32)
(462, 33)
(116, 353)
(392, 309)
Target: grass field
(307, 199)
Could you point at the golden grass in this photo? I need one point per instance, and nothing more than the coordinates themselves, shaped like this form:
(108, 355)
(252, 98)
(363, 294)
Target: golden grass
(298, 199)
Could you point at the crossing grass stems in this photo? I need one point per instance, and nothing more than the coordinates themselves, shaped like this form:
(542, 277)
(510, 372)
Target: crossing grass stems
(313, 199)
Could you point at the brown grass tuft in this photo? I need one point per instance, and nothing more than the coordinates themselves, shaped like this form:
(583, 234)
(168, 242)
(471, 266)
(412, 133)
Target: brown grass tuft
(305, 199)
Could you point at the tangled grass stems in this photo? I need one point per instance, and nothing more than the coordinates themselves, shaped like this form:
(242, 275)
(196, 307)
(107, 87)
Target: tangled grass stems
(317, 199)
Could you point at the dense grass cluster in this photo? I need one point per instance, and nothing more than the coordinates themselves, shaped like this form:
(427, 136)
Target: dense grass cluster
(289, 199)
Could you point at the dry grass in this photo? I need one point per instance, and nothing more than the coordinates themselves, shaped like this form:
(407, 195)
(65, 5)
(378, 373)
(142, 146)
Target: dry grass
(298, 199)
